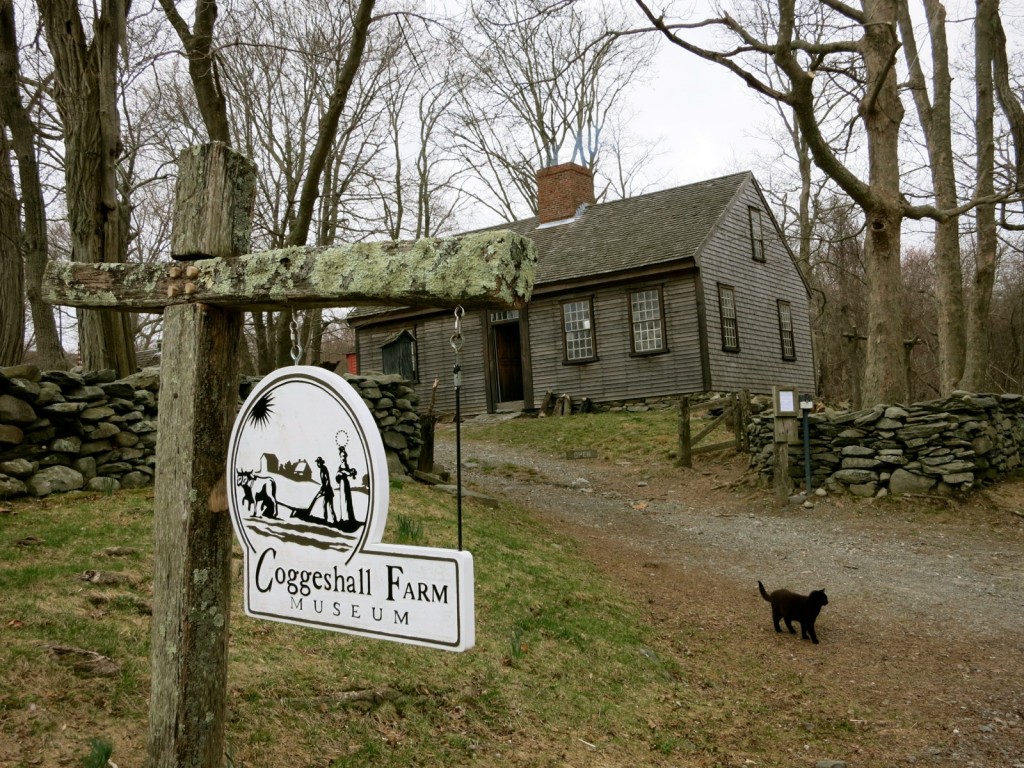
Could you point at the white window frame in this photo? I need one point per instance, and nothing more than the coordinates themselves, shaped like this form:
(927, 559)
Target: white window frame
(647, 321)
(578, 339)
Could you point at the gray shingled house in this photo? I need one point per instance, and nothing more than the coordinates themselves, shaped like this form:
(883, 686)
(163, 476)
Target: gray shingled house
(690, 289)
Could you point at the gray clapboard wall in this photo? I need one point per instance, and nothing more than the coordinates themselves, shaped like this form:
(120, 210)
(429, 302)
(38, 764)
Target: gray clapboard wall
(617, 374)
(435, 359)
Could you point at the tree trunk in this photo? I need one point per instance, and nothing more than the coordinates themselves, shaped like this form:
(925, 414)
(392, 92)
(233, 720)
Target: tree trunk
(328, 127)
(85, 90)
(978, 342)
(283, 338)
(34, 237)
(202, 66)
(264, 364)
(313, 335)
(937, 125)
(884, 381)
(12, 269)
(882, 113)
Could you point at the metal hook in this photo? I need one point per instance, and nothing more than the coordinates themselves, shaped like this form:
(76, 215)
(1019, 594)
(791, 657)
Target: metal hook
(296, 347)
(456, 338)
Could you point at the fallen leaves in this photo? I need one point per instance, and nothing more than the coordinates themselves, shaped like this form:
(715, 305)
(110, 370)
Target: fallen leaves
(82, 661)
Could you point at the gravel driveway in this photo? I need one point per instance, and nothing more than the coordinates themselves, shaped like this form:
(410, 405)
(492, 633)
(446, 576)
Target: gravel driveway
(928, 592)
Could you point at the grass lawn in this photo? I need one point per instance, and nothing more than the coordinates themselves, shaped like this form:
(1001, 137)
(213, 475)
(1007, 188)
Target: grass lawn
(567, 670)
(564, 664)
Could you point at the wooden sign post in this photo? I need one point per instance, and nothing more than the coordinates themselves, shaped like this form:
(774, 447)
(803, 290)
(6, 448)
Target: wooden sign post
(786, 405)
(202, 299)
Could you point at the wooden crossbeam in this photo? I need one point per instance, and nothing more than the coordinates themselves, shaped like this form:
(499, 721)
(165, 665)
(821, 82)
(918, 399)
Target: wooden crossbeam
(492, 269)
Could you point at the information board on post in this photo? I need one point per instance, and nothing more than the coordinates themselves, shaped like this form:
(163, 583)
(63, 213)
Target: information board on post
(308, 497)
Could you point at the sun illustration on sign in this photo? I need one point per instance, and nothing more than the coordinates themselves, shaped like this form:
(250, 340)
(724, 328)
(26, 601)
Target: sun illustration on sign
(261, 410)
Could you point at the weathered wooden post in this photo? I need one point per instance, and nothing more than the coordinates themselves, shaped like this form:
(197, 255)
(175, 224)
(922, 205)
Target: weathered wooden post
(737, 419)
(202, 301)
(192, 530)
(685, 455)
(743, 403)
(785, 401)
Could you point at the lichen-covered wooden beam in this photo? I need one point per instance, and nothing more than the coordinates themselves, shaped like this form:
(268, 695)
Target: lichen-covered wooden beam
(489, 269)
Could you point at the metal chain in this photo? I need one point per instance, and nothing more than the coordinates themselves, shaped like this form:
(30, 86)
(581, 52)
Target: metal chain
(456, 342)
(296, 347)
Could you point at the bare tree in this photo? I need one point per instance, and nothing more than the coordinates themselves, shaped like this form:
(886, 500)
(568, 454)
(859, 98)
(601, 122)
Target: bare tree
(977, 348)
(865, 54)
(991, 76)
(934, 114)
(275, 80)
(543, 87)
(33, 245)
(202, 65)
(85, 90)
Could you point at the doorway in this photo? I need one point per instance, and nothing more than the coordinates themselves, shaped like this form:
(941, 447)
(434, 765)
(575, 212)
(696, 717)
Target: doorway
(507, 357)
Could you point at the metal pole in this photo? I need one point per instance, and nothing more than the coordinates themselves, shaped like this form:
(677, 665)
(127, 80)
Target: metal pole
(807, 451)
(458, 459)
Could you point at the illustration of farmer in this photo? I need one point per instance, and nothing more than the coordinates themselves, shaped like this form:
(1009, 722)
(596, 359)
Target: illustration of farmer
(326, 491)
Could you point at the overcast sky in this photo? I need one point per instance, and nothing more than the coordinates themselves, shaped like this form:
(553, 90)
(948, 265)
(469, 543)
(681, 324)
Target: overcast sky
(706, 121)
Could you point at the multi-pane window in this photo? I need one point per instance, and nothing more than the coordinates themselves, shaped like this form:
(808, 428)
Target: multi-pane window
(786, 330)
(648, 323)
(504, 315)
(756, 234)
(578, 330)
(727, 313)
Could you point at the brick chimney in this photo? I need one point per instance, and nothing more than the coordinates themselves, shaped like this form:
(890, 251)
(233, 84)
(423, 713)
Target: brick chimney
(561, 189)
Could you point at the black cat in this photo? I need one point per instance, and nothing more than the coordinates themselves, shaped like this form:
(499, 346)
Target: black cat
(790, 607)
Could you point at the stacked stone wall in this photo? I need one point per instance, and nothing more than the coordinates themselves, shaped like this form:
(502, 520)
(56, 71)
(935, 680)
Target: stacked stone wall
(940, 446)
(71, 431)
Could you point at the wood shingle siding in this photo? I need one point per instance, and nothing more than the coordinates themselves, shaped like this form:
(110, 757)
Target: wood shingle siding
(436, 359)
(617, 373)
(727, 259)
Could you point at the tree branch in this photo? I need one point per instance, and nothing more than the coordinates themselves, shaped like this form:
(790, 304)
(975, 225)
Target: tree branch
(716, 57)
(846, 10)
(1007, 100)
(328, 128)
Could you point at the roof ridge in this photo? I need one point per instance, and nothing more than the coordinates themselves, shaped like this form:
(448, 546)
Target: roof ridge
(640, 197)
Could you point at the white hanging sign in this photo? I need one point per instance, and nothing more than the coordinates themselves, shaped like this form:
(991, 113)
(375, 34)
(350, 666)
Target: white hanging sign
(309, 502)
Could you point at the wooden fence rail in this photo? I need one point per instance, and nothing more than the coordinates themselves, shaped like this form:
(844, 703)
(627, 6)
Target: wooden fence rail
(736, 404)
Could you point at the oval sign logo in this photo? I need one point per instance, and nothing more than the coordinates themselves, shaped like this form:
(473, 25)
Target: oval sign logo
(307, 464)
(308, 496)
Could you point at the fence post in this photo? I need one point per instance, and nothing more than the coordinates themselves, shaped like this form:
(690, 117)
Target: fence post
(744, 435)
(737, 419)
(785, 433)
(685, 456)
(192, 527)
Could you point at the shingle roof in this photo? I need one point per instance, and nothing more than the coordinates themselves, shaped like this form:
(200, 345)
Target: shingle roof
(650, 229)
(646, 230)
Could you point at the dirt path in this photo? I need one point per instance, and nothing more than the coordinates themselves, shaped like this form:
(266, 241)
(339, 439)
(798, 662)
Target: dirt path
(924, 630)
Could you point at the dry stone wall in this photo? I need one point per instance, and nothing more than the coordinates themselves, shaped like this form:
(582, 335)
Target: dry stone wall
(88, 430)
(940, 446)
(67, 431)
